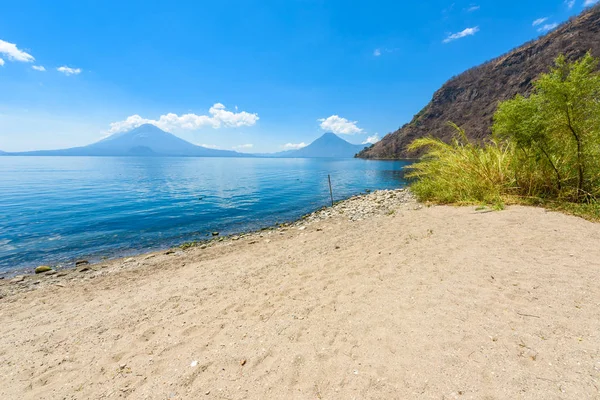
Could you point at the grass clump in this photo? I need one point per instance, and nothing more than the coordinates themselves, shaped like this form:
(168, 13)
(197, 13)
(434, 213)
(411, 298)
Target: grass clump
(545, 149)
(461, 172)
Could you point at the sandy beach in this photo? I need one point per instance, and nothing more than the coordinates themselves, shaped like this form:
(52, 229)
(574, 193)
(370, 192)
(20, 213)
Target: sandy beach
(377, 298)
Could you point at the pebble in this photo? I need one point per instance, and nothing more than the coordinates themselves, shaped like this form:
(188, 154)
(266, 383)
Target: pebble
(17, 279)
(357, 208)
(81, 262)
(42, 268)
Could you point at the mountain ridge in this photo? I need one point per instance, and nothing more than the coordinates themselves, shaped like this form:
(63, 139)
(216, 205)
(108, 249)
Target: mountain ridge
(328, 145)
(150, 141)
(145, 140)
(470, 99)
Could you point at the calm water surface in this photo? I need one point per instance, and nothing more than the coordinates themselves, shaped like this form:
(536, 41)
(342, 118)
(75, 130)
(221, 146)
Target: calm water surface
(54, 210)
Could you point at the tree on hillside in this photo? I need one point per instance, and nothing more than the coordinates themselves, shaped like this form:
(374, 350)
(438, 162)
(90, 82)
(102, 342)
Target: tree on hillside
(556, 131)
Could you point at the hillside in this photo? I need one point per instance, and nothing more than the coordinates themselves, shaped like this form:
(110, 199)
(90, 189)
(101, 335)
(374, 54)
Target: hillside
(471, 98)
(145, 140)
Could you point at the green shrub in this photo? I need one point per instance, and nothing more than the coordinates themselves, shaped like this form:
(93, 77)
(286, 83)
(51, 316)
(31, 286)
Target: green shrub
(545, 146)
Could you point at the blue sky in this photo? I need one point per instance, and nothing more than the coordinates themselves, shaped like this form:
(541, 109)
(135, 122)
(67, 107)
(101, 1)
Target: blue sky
(248, 75)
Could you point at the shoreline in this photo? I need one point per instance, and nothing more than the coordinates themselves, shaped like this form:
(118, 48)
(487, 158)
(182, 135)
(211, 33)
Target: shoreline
(28, 278)
(123, 254)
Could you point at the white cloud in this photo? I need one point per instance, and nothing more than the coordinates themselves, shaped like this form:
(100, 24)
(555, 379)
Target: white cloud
(339, 125)
(461, 34)
(11, 51)
(372, 139)
(294, 146)
(69, 71)
(38, 68)
(570, 3)
(589, 3)
(379, 51)
(539, 21)
(209, 146)
(219, 117)
(547, 27)
(1, 62)
(473, 8)
(243, 146)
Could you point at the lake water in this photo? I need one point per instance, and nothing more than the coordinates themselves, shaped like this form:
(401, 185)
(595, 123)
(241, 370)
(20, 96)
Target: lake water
(54, 210)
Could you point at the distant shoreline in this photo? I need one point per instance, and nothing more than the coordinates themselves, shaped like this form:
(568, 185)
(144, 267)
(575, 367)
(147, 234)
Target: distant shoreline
(242, 155)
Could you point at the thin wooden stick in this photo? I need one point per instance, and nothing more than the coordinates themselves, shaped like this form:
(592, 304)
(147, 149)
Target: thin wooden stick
(330, 191)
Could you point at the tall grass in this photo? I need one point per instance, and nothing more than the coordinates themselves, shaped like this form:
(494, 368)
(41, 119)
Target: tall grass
(462, 172)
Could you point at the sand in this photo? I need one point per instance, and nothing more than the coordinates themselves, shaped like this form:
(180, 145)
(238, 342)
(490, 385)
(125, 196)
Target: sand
(408, 302)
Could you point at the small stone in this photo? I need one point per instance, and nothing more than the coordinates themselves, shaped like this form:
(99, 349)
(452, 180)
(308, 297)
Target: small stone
(243, 362)
(17, 279)
(215, 233)
(207, 392)
(84, 269)
(203, 247)
(79, 263)
(42, 269)
(170, 251)
(193, 364)
(51, 272)
(130, 259)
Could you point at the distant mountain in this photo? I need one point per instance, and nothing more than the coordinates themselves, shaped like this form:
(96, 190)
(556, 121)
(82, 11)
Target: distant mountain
(470, 99)
(327, 146)
(145, 140)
